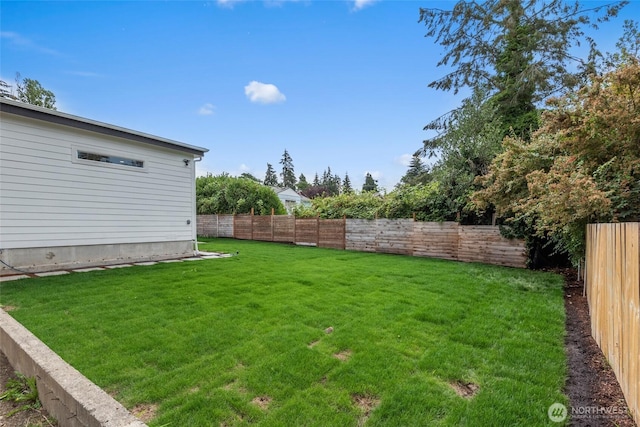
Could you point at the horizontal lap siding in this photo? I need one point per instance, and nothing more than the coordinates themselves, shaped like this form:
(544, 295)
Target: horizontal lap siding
(49, 199)
(613, 290)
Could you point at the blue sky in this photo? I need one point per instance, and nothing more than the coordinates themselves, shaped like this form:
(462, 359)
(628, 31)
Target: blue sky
(340, 84)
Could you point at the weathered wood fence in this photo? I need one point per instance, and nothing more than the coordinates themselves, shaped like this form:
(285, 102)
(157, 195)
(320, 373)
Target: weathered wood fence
(448, 240)
(612, 280)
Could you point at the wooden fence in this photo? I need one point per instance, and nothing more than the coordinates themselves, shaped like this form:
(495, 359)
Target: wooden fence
(612, 280)
(448, 240)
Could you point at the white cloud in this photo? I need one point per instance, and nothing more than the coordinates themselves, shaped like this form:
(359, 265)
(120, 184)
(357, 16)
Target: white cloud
(19, 41)
(263, 93)
(228, 3)
(404, 160)
(361, 4)
(244, 168)
(207, 109)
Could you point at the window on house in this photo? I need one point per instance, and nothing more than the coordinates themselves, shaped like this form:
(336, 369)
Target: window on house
(116, 160)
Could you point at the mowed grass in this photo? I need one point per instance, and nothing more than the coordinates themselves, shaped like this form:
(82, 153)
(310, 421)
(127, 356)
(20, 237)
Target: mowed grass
(243, 340)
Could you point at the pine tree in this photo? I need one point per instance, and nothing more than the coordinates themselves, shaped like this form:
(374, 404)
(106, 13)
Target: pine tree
(417, 172)
(288, 176)
(270, 178)
(370, 184)
(346, 184)
(316, 180)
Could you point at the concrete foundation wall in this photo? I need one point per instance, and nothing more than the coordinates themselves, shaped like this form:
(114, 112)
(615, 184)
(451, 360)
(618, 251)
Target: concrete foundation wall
(35, 260)
(68, 395)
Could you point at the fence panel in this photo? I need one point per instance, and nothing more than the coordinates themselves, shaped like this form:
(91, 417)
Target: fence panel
(436, 239)
(483, 243)
(360, 235)
(307, 231)
(612, 279)
(284, 229)
(331, 233)
(446, 240)
(263, 228)
(243, 227)
(394, 236)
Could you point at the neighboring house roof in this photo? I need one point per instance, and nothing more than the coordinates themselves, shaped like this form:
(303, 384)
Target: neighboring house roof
(57, 117)
(283, 192)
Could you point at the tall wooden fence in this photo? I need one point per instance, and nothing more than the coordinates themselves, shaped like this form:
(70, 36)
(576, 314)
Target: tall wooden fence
(448, 240)
(612, 280)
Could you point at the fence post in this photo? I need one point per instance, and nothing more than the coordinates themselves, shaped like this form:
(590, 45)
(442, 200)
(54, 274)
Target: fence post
(251, 223)
(272, 218)
(344, 232)
(318, 231)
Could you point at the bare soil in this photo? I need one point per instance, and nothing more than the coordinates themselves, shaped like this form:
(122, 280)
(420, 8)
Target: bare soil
(594, 393)
(31, 417)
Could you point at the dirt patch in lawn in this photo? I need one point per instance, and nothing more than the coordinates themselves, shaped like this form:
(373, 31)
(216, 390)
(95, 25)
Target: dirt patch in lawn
(591, 382)
(313, 343)
(145, 412)
(465, 389)
(344, 355)
(366, 404)
(262, 401)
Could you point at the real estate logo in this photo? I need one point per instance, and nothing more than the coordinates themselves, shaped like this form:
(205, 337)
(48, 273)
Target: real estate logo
(557, 412)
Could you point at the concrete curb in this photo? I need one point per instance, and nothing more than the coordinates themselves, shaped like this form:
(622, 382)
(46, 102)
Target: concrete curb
(67, 394)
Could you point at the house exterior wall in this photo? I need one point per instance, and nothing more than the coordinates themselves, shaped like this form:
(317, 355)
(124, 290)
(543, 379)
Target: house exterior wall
(49, 198)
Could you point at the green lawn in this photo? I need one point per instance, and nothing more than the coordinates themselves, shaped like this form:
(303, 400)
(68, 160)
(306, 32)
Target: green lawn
(242, 340)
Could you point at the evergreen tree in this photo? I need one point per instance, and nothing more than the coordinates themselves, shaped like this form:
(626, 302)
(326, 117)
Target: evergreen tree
(316, 180)
(346, 184)
(288, 176)
(270, 178)
(302, 183)
(417, 172)
(370, 184)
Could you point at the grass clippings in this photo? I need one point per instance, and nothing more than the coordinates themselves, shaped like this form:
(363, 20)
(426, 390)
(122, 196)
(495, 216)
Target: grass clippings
(155, 333)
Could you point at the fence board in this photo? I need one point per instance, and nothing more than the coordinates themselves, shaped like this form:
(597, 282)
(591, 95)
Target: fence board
(243, 227)
(612, 280)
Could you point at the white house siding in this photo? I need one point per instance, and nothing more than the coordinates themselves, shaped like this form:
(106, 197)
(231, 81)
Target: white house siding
(48, 199)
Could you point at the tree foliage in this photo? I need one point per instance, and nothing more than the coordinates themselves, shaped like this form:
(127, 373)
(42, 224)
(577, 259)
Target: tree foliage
(32, 92)
(581, 166)
(270, 177)
(288, 175)
(223, 194)
(370, 184)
